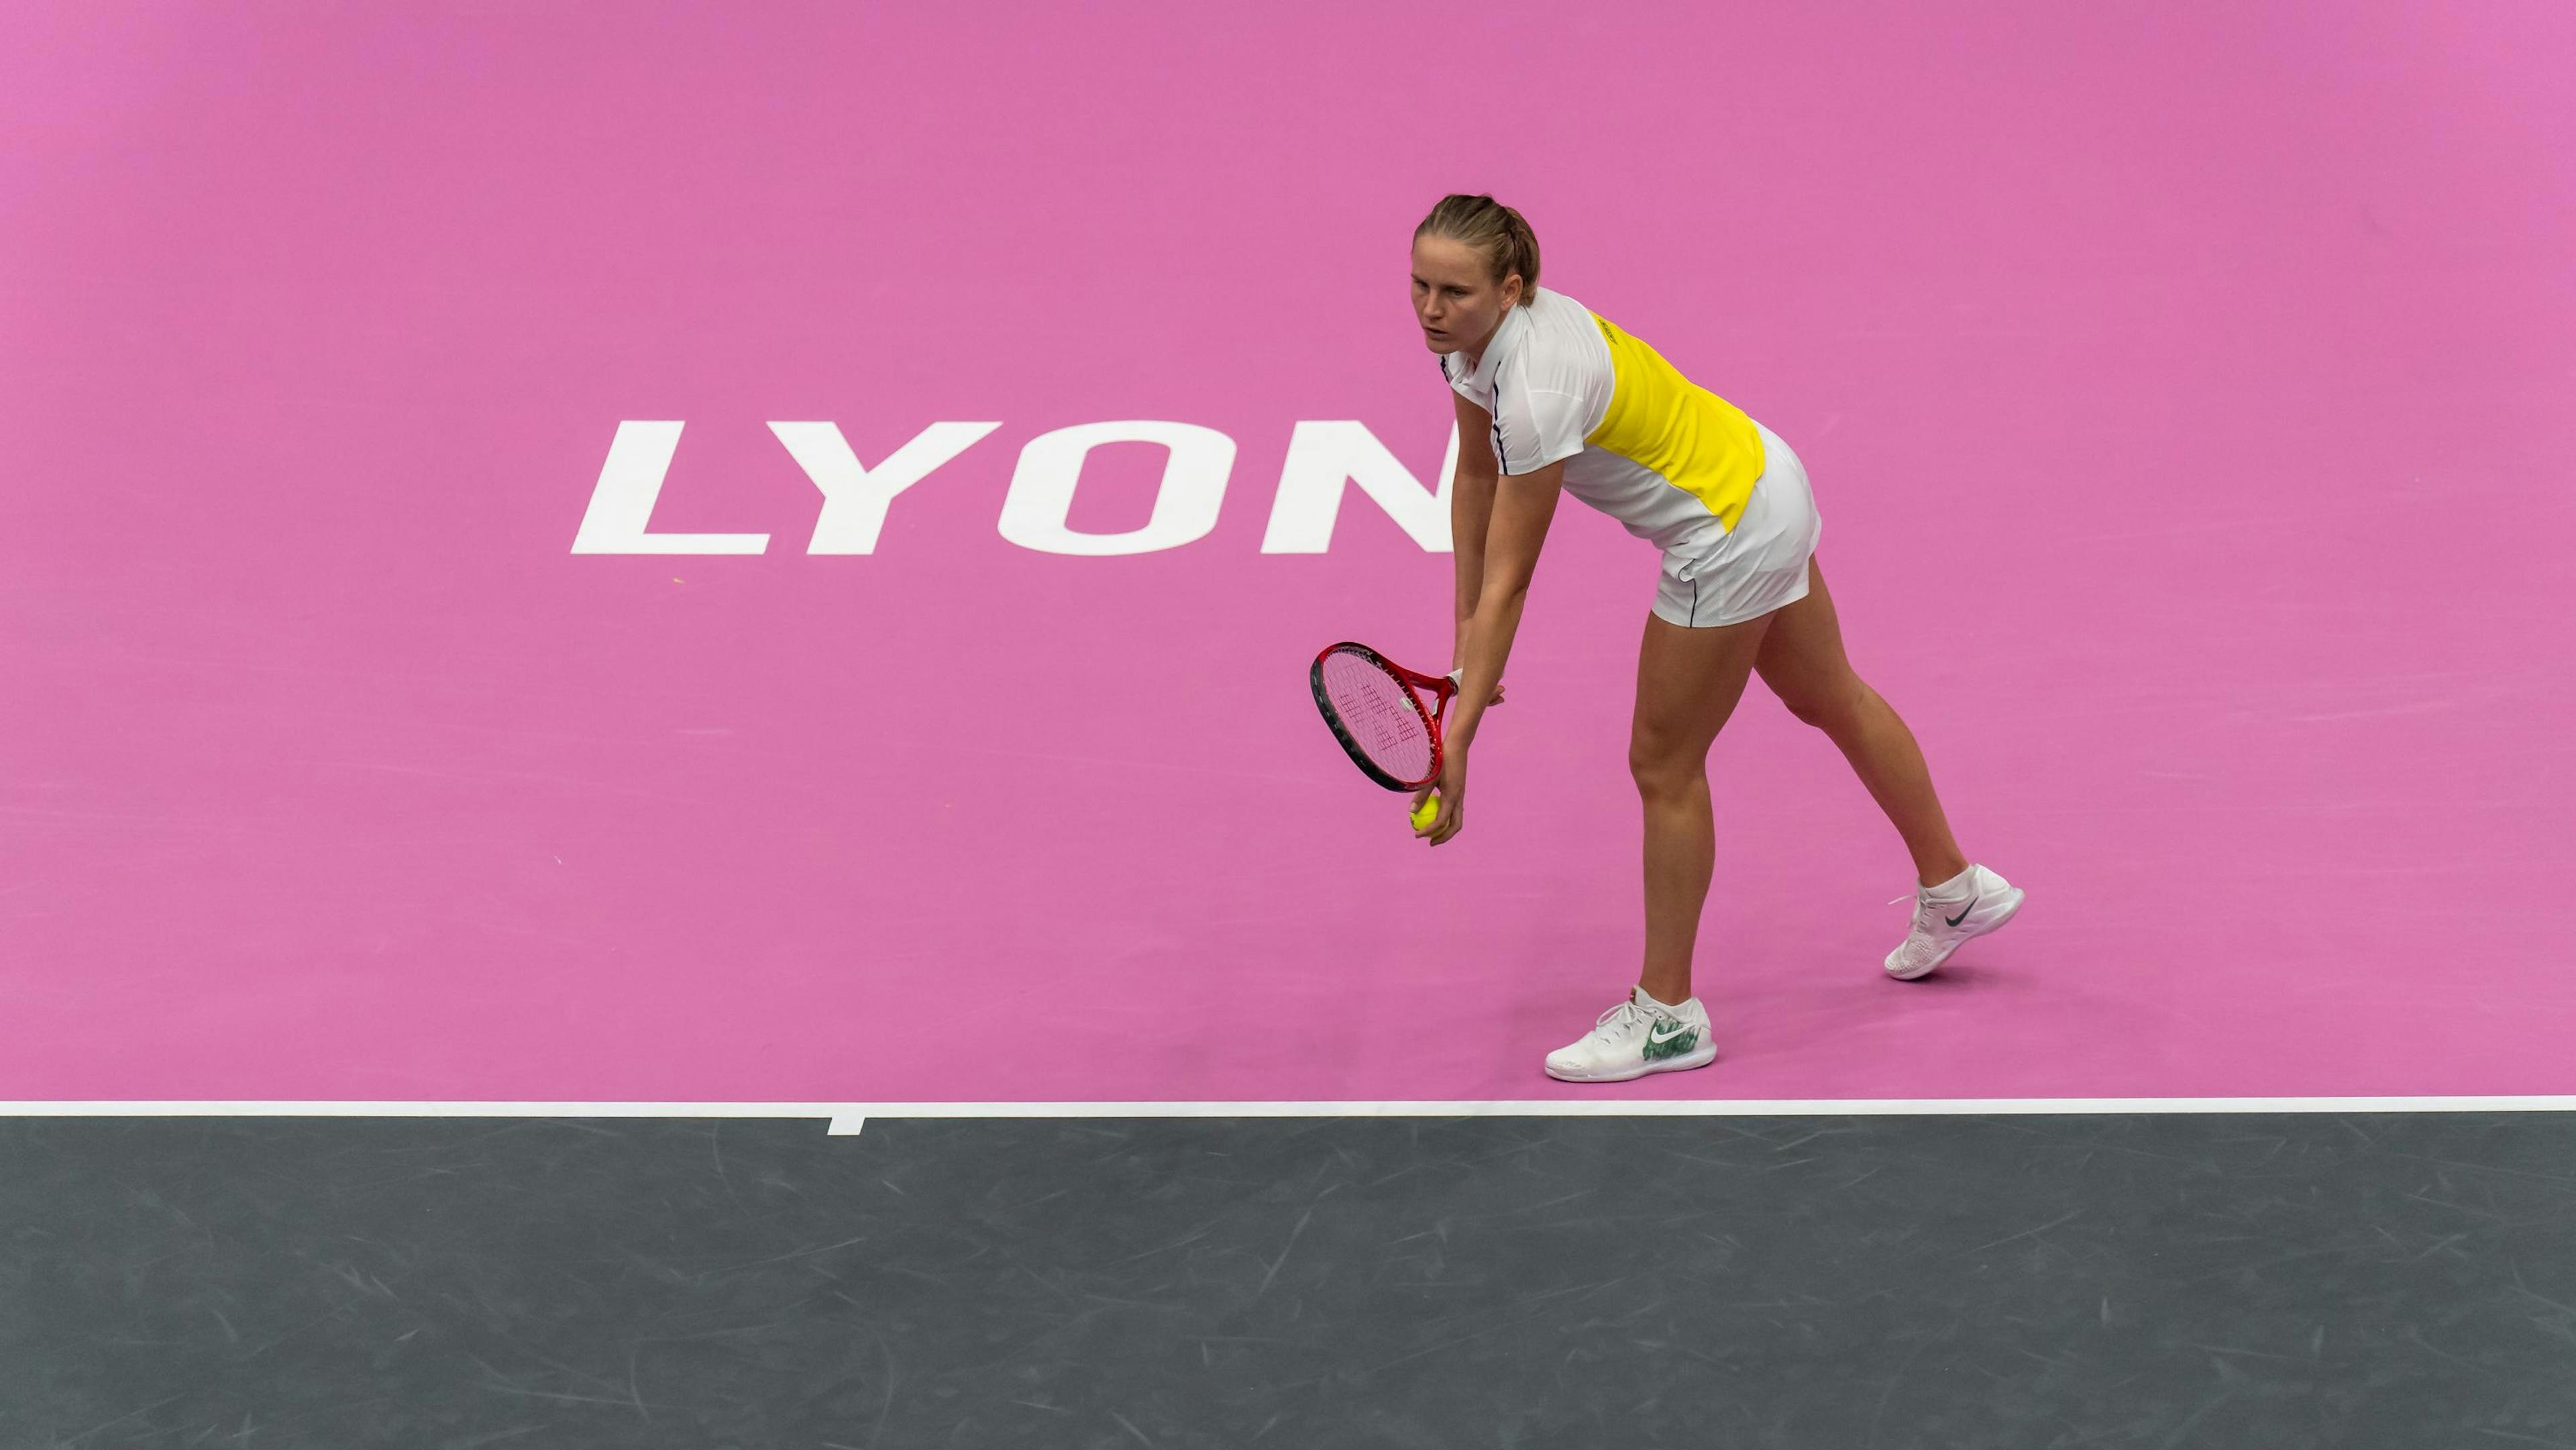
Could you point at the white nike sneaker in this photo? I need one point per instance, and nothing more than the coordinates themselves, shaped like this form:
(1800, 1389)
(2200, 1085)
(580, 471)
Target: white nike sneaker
(1639, 1036)
(1942, 927)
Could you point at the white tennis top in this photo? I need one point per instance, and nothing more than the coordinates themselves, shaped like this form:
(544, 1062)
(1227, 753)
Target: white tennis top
(1670, 460)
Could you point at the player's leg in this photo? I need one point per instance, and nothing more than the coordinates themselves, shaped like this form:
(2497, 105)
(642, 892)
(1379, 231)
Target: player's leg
(1802, 660)
(1688, 681)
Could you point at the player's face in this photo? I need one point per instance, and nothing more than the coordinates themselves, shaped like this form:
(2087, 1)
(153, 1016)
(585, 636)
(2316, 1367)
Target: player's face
(1455, 296)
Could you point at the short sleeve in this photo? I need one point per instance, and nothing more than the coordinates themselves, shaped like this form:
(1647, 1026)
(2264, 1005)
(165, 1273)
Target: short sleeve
(1537, 424)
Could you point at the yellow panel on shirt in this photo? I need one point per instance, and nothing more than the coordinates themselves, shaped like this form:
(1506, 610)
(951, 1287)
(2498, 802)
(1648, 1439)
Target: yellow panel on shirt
(1695, 440)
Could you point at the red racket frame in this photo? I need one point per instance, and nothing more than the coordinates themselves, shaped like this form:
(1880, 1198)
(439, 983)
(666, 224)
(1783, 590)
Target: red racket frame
(1443, 688)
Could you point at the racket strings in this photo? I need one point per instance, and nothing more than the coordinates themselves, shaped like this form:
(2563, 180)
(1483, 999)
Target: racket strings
(1380, 715)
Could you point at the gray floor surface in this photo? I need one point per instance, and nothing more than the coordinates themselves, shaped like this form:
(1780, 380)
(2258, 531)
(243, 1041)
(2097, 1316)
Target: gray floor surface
(1859, 1283)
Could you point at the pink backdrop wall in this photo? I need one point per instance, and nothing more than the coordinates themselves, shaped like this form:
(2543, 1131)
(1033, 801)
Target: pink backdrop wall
(2186, 387)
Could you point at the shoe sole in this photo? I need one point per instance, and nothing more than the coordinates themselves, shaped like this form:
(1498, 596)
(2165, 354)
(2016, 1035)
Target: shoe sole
(2011, 909)
(1701, 1057)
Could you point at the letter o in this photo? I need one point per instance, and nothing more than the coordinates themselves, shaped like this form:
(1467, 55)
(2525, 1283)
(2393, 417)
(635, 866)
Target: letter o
(1185, 503)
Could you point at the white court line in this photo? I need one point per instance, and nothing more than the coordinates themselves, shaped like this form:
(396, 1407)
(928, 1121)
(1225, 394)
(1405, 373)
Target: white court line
(848, 1118)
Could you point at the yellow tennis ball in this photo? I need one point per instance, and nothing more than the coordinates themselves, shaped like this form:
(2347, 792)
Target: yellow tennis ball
(1427, 812)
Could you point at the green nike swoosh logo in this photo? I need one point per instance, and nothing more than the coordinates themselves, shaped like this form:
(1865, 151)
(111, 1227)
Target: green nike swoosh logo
(1963, 916)
(1658, 1048)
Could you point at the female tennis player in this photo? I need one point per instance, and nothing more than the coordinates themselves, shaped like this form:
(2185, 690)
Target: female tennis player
(1562, 400)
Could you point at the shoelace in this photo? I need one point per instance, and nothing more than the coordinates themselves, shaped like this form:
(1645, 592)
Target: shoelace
(1922, 907)
(1925, 911)
(1626, 1016)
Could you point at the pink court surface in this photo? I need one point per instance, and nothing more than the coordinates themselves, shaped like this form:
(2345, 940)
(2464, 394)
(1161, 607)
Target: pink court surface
(2187, 393)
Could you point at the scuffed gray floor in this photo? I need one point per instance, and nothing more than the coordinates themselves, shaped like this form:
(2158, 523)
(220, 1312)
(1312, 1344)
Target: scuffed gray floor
(1853, 1283)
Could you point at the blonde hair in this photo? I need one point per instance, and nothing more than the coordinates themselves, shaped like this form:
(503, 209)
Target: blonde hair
(1493, 229)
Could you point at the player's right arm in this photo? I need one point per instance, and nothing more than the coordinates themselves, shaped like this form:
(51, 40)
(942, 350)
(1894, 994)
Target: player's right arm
(1471, 512)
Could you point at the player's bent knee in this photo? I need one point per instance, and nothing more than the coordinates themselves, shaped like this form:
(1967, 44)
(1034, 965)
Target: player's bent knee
(1829, 709)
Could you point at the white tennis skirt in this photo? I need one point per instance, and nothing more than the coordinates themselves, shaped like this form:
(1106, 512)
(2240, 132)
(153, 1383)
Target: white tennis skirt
(1731, 576)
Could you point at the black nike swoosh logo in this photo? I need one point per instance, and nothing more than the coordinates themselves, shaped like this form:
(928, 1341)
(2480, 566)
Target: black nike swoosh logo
(1963, 916)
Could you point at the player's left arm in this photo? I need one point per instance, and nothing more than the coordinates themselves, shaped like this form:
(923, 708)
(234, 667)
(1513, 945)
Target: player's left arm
(1524, 505)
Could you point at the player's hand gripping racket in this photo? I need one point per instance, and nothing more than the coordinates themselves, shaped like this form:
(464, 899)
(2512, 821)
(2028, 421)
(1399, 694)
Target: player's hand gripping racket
(1375, 708)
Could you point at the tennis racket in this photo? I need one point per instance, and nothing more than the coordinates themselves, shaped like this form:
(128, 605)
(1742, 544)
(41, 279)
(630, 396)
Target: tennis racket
(1375, 708)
